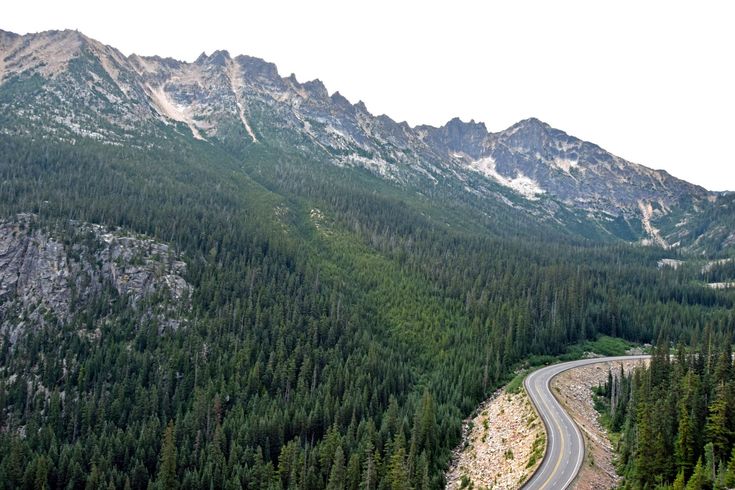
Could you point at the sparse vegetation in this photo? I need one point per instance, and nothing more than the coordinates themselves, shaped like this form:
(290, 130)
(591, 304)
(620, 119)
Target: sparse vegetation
(537, 450)
(516, 384)
(465, 482)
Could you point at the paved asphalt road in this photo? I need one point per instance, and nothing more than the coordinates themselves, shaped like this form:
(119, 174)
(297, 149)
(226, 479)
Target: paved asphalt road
(564, 445)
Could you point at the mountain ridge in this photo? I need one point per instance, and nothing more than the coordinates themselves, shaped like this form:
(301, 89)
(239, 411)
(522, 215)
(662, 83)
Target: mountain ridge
(244, 100)
(317, 304)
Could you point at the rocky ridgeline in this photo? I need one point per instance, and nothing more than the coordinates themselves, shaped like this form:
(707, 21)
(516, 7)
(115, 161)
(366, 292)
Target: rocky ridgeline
(45, 276)
(75, 87)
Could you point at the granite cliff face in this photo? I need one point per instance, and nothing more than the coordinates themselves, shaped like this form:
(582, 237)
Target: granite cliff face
(61, 84)
(47, 276)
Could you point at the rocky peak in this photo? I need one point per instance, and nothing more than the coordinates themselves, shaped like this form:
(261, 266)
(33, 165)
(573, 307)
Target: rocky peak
(530, 135)
(7, 37)
(457, 136)
(316, 89)
(218, 58)
(47, 53)
(529, 124)
(257, 68)
(341, 101)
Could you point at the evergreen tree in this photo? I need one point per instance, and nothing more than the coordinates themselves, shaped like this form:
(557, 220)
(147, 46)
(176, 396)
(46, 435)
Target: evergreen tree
(167, 478)
(337, 476)
(716, 428)
(398, 475)
(730, 473)
(680, 481)
(369, 471)
(698, 479)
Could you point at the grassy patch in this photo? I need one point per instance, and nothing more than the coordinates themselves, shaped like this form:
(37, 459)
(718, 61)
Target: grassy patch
(537, 450)
(604, 345)
(516, 384)
(465, 482)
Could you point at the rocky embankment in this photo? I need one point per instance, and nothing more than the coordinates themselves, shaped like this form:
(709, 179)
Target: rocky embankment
(503, 443)
(573, 388)
(46, 275)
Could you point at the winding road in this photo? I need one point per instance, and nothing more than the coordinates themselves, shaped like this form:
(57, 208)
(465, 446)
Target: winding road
(564, 445)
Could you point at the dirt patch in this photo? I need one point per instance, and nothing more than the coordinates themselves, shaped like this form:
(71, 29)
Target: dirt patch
(573, 388)
(503, 444)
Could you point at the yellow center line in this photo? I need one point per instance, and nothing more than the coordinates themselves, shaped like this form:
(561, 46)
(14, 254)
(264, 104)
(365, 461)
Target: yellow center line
(553, 417)
(562, 443)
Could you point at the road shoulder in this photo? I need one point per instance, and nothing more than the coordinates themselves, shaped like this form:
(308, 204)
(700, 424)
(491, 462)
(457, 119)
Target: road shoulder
(573, 389)
(503, 444)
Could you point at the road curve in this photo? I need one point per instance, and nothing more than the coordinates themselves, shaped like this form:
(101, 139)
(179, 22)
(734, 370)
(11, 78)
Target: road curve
(564, 443)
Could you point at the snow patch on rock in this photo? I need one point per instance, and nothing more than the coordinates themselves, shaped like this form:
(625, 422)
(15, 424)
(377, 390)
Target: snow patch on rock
(377, 165)
(673, 263)
(721, 285)
(172, 111)
(646, 214)
(523, 185)
(236, 81)
(565, 164)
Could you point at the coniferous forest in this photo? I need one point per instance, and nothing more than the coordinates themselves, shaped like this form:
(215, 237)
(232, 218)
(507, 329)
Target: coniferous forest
(339, 327)
(676, 417)
(338, 354)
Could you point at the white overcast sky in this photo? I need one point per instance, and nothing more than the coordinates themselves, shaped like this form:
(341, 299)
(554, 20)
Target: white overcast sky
(653, 82)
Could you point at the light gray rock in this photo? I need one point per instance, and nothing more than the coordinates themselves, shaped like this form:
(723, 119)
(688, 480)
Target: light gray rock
(43, 279)
(76, 88)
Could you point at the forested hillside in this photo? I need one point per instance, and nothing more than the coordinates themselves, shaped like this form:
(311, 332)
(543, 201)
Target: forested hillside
(337, 335)
(676, 418)
(339, 319)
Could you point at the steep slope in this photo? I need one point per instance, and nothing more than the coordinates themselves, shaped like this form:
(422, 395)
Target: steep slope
(537, 160)
(45, 281)
(68, 86)
(345, 314)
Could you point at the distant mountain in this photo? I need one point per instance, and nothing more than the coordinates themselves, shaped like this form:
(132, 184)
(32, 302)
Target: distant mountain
(64, 85)
(215, 276)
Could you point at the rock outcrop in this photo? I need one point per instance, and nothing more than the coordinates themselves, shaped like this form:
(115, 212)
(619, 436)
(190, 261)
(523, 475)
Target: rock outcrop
(47, 275)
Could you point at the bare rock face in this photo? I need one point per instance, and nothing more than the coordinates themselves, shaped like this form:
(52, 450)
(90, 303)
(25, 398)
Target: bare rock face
(44, 278)
(68, 87)
(140, 267)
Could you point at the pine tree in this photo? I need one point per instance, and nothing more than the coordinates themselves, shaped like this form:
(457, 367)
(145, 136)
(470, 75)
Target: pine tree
(709, 464)
(698, 479)
(684, 445)
(399, 478)
(680, 481)
(337, 477)
(730, 474)
(353, 472)
(42, 469)
(423, 480)
(167, 470)
(716, 430)
(369, 471)
(720, 483)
